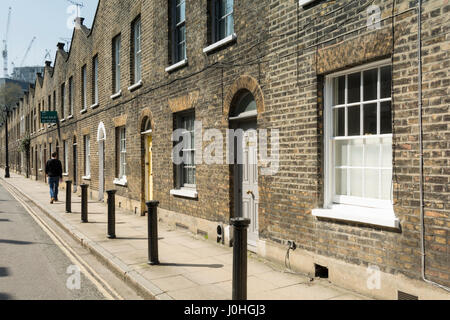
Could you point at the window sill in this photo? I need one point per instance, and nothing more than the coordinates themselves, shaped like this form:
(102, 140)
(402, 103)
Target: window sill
(220, 43)
(83, 111)
(185, 193)
(86, 178)
(135, 86)
(70, 117)
(95, 105)
(304, 2)
(378, 217)
(116, 95)
(62, 120)
(121, 182)
(65, 174)
(177, 65)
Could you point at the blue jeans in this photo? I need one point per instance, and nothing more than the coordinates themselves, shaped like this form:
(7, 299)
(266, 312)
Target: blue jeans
(54, 184)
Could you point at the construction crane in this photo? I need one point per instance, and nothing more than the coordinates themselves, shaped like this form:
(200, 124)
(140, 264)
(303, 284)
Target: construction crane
(5, 46)
(27, 52)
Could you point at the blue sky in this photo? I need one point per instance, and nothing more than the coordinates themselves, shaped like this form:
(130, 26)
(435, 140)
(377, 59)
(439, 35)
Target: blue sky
(47, 20)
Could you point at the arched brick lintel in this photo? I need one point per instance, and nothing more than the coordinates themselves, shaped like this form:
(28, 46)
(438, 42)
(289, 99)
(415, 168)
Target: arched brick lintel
(244, 82)
(146, 113)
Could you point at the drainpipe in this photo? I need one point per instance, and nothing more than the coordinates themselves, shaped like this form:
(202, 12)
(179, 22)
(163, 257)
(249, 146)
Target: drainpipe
(422, 224)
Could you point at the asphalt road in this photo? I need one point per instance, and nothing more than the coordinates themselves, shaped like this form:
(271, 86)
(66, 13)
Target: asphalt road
(32, 266)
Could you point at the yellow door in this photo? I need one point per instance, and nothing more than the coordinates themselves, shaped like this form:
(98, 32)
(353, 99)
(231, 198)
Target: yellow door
(150, 170)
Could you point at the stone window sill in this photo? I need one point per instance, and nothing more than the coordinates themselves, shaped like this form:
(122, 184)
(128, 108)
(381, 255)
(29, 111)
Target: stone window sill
(220, 43)
(95, 105)
(70, 117)
(86, 178)
(177, 65)
(135, 86)
(185, 193)
(65, 174)
(62, 120)
(304, 2)
(116, 95)
(372, 216)
(83, 111)
(121, 182)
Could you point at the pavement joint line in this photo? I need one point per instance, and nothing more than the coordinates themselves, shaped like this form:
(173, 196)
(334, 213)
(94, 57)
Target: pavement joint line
(73, 256)
(116, 266)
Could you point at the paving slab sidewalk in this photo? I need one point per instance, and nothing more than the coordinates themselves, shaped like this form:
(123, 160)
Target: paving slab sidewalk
(191, 268)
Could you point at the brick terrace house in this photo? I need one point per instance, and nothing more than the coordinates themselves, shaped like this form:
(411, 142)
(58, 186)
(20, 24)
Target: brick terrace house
(337, 79)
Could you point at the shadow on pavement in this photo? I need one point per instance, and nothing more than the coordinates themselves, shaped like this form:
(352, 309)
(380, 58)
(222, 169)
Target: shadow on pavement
(20, 243)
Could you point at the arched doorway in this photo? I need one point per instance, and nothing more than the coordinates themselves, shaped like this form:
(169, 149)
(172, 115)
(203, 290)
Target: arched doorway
(244, 170)
(101, 138)
(147, 143)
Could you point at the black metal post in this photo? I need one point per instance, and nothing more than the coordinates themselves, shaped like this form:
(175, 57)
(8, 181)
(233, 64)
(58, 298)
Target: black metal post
(153, 232)
(84, 203)
(240, 258)
(68, 196)
(111, 214)
(7, 147)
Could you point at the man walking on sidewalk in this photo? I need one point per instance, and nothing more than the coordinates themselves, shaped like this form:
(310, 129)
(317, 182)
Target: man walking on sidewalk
(53, 169)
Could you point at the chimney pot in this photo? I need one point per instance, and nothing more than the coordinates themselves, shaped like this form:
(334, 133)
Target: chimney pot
(48, 63)
(79, 21)
(60, 45)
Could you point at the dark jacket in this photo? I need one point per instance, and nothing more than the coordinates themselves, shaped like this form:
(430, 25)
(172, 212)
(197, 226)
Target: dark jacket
(53, 168)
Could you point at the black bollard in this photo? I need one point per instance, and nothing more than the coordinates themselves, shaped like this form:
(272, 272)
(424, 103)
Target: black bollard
(111, 214)
(68, 196)
(153, 232)
(84, 203)
(240, 258)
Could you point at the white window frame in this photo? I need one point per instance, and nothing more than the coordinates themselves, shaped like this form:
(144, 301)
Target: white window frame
(84, 88)
(121, 153)
(87, 157)
(71, 102)
(95, 78)
(371, 211)
(117, 45)
(137, 51)
(66, 157)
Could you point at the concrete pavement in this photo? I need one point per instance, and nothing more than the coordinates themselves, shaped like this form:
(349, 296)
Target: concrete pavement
(191, 268)
(32, 266)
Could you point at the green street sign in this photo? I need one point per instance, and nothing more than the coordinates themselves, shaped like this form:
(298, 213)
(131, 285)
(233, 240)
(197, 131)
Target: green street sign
(49, 117)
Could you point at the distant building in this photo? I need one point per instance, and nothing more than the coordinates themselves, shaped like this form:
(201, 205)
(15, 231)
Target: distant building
(23, 84)
(26, 74)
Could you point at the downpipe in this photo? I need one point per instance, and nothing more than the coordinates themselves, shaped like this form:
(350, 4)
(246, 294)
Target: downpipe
(422, 223)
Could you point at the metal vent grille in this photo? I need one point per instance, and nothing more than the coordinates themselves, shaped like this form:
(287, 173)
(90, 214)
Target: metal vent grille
(406, 296)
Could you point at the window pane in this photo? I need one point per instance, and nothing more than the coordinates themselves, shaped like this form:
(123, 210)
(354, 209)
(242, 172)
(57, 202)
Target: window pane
(339, 91)
(341, 148)
(385, 118)
(339, 122)
(370, 84)
(356, 189)
(341, 182)
(354, 121)
(354, 87)
(229, 25)
(371, 183)
(356, 153)
(386, 150)
(386, 185)
(386, 81)
(370, 119)
(372, 153)
(180, 11)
